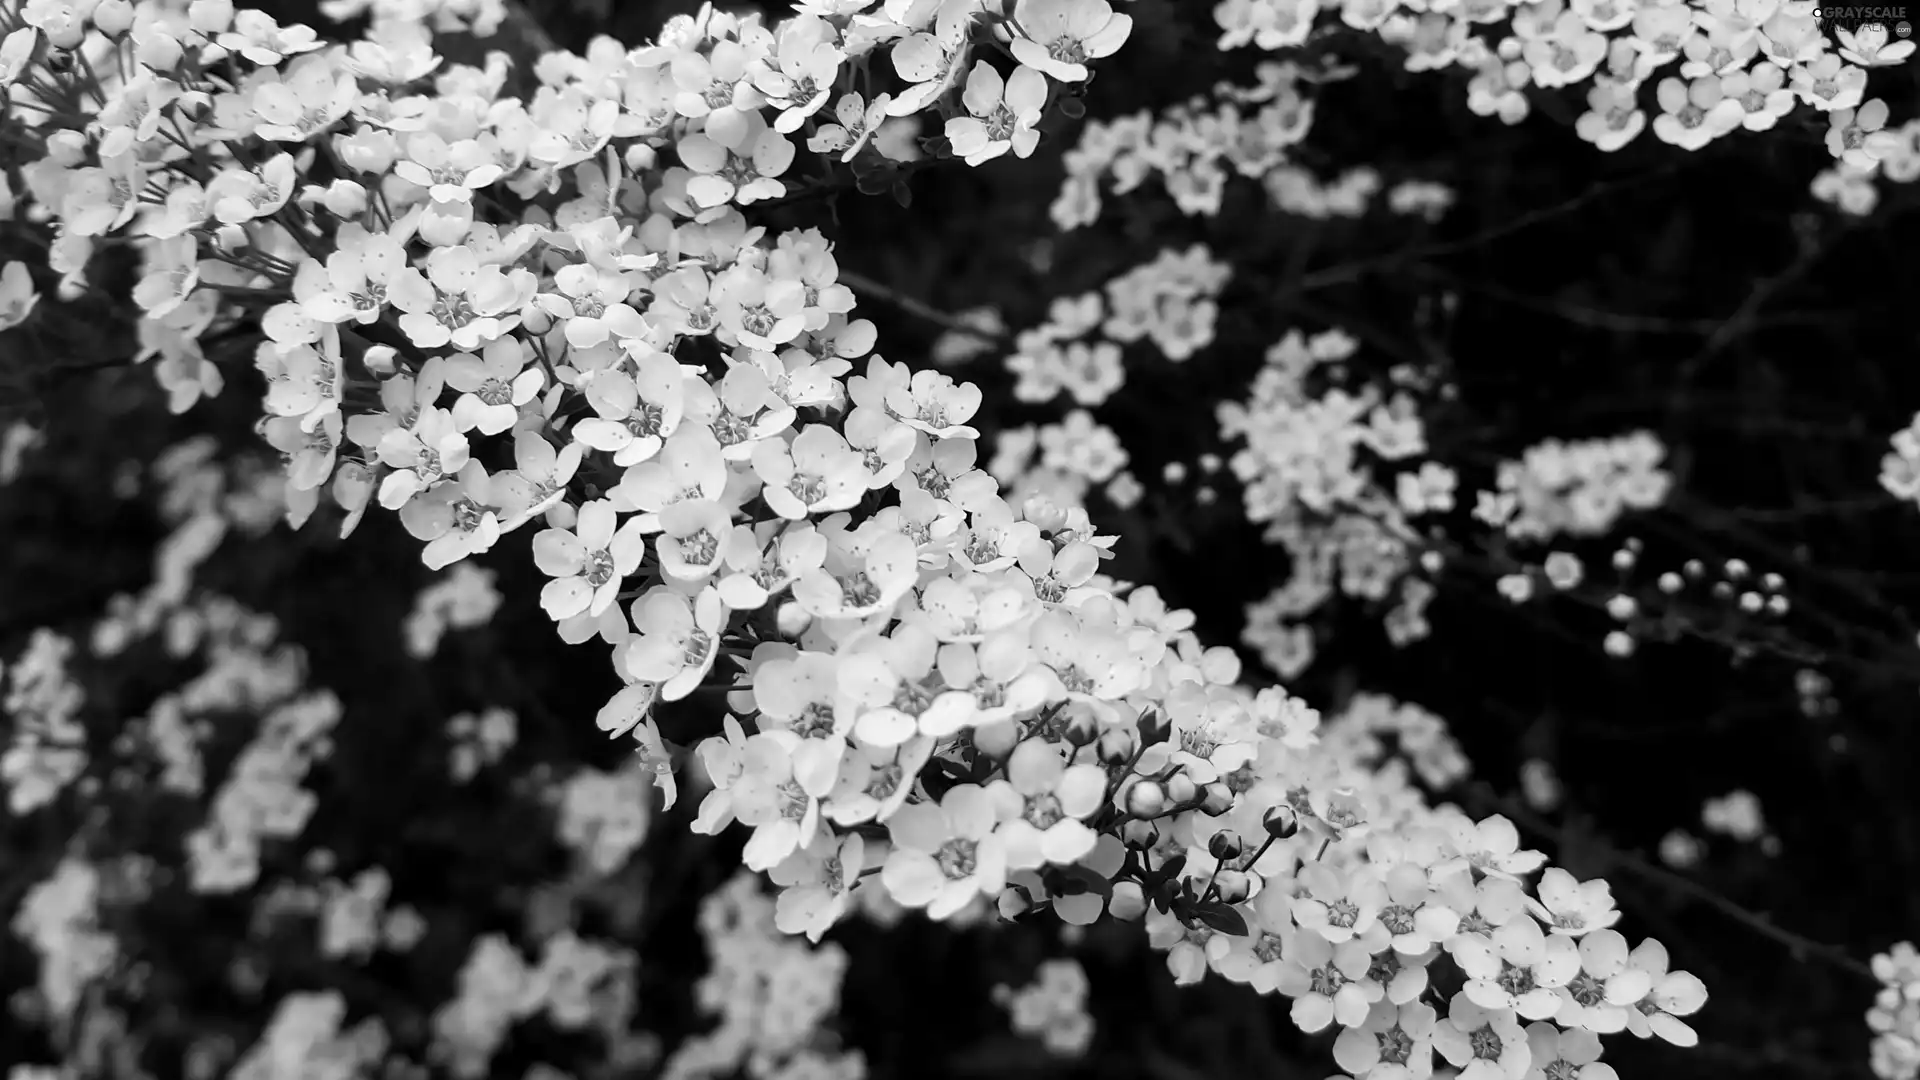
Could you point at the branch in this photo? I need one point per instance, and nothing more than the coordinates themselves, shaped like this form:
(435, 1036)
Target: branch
(1801, 947)
(867, 286)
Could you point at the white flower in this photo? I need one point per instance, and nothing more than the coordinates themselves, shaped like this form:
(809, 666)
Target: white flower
(1484, 1044)
(1518, 968)
(1599, 994)
(818, 883)
(817, 473)
(945, 855)
(1395, 1043)
(588, 564)
(1571, 907)
(1327, 982)
(678, 639)
(493, 385)
(1857, 138)
(1004, 114)
(1050, 799)
(739, 167)
(1674, 994)
(1565, 1055)
(1062, 35)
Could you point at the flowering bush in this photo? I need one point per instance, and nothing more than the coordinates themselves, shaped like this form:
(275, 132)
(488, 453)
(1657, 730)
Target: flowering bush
(575, 320)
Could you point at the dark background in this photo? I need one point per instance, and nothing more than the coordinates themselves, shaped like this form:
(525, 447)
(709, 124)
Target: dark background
(1706, 297)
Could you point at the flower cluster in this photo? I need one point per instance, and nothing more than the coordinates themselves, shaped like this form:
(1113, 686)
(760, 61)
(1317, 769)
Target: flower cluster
(1315, 447)
(1895, 1016)
(773, 996)
(1052, 1008)
(1692, 73)
(555, 313)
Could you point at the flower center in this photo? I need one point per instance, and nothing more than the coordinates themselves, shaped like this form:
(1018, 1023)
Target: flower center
(701, 548)
(1043, 811)
(693, 651)
(495, 392)
(793, 801)
(467, 515)
(956, 859)
(646, 421)
(1068, 50)
(885, 782)
(1000, 124)
(1386, 964)
(808, 488)
(814, 722)
(856, 591)
(914, 696)
(1396, 1046)
(1486, 1044)
(729, 429)
(1327, 981)
(1515, 980)
(599, 568)
(1587, 990)
(453, 312)
(1397, 918)
(1343, 913)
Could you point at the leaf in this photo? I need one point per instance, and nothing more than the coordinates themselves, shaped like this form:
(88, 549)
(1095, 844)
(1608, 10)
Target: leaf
(1076, 879)
(1171, 868)
(1151, 727)
(902, 194)
(1222, 917)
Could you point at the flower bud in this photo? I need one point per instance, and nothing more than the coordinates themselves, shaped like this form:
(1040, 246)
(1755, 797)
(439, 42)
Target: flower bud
(1280, 821)
(1146, 799)
(792, 619)
(157, 51)
(382, 360)
(1226, 846)
(1082, 728)
(1153, 726)
(113, 17)
(368, 150)
(1181, 789)
(67, 35)
(67, 148)
(996, 740)
(1139, 835)
(1127, 903)
(1232, 886)
(1217, 799)
(444, 224)
(1116, 746)
(210, 16)
(345, 199)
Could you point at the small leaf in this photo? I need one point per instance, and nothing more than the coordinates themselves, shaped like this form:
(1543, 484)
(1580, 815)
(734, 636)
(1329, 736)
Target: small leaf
(1073, 108)
(1153, 730)
(902, 194)
(1221, 917)
(1171, 868)
(1076, 879)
